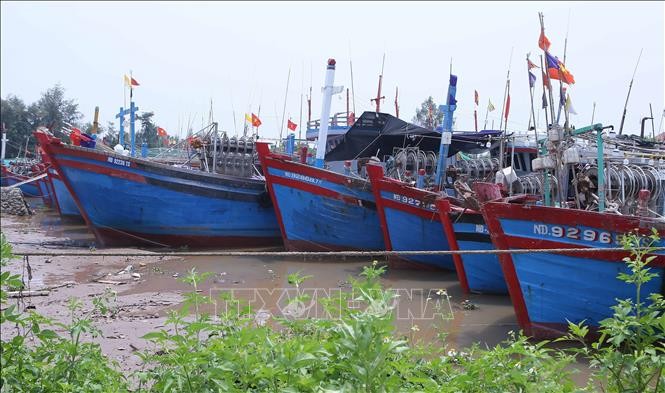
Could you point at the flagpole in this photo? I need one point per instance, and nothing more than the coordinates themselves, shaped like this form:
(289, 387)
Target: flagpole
(475, 117)
(533, 112)
(546, 175)
(302, 88)
(505, 126)
(543, 73)
(487, 112)
(549, 80)
(505, 90)
(286, 94)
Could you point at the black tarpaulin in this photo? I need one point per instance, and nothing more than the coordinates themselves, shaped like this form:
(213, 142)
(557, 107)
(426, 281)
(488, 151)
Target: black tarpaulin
(378, 134)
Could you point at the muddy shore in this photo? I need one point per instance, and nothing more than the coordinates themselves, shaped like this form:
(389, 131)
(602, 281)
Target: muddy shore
(145, 292)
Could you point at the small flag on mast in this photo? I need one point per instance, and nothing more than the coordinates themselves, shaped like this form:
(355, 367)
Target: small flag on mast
(490, 106)
(557, 70)
(475, 94)
(131, 82)
(248, 117)
(543, 42)
(532, 79)
(255, 120)
(507, 106)
(291, 125)
(569, 105)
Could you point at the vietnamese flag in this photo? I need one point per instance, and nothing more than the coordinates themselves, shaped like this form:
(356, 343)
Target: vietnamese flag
(255, 120)
(161, 132)
(507, 106)
(291, 125)
(543, 42)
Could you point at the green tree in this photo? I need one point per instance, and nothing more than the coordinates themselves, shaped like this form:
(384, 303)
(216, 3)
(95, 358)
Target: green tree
(428, 115)
(148, 132)
(52, 110)
(55, 112)
(111, 134)
(17, 124)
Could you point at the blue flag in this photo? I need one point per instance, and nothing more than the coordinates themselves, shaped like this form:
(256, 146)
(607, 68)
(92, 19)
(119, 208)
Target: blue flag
(532, 79)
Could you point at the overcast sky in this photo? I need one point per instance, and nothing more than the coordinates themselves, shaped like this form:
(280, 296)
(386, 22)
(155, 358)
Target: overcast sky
(239, 55)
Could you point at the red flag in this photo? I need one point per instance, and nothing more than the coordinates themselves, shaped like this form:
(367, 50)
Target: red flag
(255, 120)
(545, 80)
(543, 42)
(291, 125)
(507, 106)
(475, 93)
(161, 132)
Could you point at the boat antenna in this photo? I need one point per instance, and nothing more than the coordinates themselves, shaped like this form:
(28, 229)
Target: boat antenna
(653, 128)
(286, 94)
(302, 89)
(353, 91)
(378, 93)
(630, 87)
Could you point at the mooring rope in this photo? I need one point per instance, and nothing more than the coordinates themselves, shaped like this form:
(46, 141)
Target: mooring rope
(324, 253)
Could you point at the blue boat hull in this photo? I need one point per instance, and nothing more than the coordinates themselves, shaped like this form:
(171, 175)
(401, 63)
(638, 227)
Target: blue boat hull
(128, 201)
(30, 190)
(320, 210)
(409, 232)
(63, 198)
(483, 271)
(548, 289)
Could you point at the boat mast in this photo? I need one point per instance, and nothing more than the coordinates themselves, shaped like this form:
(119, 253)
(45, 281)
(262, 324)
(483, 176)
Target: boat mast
(378, 93)
(286, 94)
(396, 104)
(325, 113)
(630, 87)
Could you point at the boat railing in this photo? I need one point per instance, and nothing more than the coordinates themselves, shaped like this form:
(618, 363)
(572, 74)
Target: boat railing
(339, 119)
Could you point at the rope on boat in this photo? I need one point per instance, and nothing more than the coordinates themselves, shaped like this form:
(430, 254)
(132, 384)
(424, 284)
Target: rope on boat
(323, 253)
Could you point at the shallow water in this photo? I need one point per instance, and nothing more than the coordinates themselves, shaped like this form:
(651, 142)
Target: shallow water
(422, 311)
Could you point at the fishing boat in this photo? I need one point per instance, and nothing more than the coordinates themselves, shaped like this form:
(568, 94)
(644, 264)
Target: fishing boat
(613, 192)
(22, 172)
(63, 201)
(407, 204)
(548, 289)
(133, 201)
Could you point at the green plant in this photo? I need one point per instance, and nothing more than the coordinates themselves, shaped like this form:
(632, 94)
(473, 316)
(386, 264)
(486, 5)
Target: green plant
(37, 359)
(629, 355)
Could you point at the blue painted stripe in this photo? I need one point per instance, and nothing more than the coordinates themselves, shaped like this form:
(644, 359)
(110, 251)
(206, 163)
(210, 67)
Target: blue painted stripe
(357, 193)
(574, 235)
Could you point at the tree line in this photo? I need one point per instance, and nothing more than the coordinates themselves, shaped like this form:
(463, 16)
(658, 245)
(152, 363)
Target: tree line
(58, 113)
